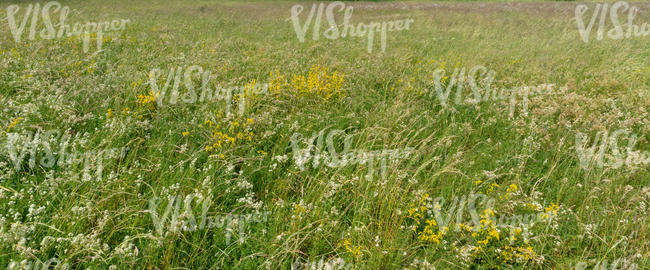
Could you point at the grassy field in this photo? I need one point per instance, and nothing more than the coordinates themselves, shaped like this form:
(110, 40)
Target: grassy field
(99, 170)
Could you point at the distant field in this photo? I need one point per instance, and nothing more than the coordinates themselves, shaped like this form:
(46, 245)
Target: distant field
(206, 135)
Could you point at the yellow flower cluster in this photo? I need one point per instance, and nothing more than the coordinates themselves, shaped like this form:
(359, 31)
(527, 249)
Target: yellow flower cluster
(552, 208)
(487, 230)
(14, 123)
(250, 92)
(417, 213)
(351, 249)
(490, 242)
(442, 66)
(319, 82)
(517, 254)
(428, 234)
(512, 188)
(491, 188)
(424, 224)
(550, 211)
(228, 135)
(299, 209)
(147, 101)
(277, 83)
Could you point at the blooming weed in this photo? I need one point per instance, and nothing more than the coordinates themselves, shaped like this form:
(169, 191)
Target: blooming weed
(318, 82)
(489, 240)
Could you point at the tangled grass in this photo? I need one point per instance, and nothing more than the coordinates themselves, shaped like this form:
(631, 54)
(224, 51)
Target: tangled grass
(526, 163)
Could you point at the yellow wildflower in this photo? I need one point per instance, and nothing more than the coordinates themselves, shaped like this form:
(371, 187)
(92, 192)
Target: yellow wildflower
(511, 188)
(491, 188)
(14, 123)
(354, 251)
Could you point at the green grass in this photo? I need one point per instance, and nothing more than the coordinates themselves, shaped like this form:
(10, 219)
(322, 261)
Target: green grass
(52, 84)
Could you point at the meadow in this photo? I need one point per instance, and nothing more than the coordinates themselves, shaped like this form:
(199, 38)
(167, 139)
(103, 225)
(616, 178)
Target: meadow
(204, 134)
